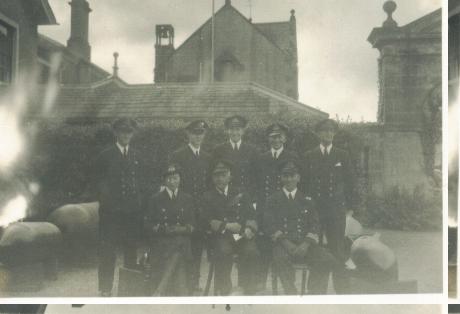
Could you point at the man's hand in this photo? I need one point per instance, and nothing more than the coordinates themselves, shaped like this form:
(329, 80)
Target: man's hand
(289, 246)
(350, 212)
(233, 227)
(302, 249)
(248, 234)
(155, 228)
(276, 235)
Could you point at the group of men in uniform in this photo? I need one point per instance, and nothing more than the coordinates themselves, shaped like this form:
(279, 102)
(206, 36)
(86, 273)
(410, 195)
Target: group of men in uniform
(270, 209)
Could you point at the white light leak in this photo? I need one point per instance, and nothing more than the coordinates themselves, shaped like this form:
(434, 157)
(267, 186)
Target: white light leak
(11, 139)
(14, 210)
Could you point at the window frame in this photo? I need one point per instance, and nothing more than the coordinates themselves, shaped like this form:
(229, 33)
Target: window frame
(15, 59)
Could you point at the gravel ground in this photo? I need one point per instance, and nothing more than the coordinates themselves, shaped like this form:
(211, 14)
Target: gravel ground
(419, 256)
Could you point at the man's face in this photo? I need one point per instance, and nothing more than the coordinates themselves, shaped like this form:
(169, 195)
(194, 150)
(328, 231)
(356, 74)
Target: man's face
(326, 136)
(276, 141)
(172, 181)
(195, 138)
(290, 181)
(221, 179)
(235, 134)
(124, 137)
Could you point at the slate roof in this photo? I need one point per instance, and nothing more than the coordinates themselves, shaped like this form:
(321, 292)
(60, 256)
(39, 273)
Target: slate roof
(49, 44)
(277, 32)
(171, 100)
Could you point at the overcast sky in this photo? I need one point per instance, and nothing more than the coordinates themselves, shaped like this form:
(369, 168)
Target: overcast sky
(337, 66)
(246, 309)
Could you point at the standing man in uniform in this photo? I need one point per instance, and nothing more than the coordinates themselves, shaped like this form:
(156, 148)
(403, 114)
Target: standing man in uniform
(292, 223)
(194, 163)
(230, 216)
(329, 181)
(242, 155)
(269, 181)
(170, 222)
(118, 180)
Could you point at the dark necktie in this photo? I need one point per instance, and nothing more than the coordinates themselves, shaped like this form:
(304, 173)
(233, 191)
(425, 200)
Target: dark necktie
(197, 154)
(125, 152)
(291, 197)
(275, 155)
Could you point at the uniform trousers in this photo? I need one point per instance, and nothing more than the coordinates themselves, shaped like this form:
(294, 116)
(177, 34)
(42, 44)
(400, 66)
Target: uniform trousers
(224, 248)
(320, 261)
(333, 227)
(116, 230)
(170, 258)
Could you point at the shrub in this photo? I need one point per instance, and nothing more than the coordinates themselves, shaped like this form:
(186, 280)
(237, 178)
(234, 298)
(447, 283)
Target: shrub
(405, 210)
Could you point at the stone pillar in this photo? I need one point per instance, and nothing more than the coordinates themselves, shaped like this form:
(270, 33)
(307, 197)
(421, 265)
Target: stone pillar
(409, 70)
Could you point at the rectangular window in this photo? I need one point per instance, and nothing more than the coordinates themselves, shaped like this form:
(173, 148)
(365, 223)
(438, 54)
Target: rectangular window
(6, 52)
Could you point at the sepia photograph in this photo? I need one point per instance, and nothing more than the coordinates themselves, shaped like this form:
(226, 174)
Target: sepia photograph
(223, 148)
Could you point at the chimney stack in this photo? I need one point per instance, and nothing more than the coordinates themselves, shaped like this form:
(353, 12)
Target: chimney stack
(78, 42)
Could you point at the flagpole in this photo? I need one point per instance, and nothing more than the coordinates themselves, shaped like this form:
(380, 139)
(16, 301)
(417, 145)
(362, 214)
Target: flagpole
(212, 43)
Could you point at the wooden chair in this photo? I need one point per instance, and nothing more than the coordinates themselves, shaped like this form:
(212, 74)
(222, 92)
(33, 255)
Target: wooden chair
(304, 268)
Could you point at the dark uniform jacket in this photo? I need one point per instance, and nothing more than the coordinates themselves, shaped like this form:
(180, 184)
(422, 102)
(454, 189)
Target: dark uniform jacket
(235, 207)
(164, 213)
(297, 218)
(269, 172)
(244, 162)
(329, 180)
(194, 170)
(119, 181)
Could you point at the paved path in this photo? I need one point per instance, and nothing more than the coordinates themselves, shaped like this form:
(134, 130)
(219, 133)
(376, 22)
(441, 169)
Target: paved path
(419, 256)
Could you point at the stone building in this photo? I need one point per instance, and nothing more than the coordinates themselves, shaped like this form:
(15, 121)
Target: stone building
(19, 21)
(405, 145)
(255, 74)
(264, 53)
(23, 49)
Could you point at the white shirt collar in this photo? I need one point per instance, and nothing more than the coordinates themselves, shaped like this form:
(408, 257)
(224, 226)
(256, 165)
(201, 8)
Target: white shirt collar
(121, 148)
(194, 150)
(278, 152)
(171, 192)
(225, 190)
(238, 144)
(293, 192)
(322, 147)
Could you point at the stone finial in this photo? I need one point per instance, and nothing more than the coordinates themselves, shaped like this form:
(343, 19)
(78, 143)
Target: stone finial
(389, 7)
(115, 64)
(228, 2)
(292, 15)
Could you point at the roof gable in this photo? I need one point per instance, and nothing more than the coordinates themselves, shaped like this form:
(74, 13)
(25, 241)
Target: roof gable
(277, 32)
(244, 20)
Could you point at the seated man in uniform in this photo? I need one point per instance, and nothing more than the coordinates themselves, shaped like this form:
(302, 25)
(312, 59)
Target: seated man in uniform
(170, 222)
(292, 222)
(231, 218)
